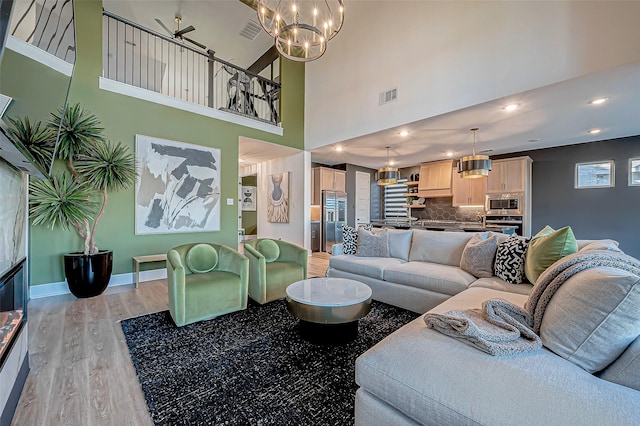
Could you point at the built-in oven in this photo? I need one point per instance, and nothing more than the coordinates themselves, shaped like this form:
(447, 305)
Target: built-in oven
(502, 222)
(504, 204)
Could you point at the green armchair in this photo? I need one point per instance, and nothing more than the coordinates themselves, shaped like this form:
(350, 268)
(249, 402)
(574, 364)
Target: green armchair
(273, 265)
(205, 281)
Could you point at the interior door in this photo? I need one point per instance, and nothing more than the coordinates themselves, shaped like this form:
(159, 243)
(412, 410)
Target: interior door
(363, 198)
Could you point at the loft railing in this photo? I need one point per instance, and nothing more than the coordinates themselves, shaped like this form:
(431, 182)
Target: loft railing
(143, 58)
(47, 25)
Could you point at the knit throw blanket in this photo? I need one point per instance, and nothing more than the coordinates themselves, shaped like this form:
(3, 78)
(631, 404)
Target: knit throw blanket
(502, 328)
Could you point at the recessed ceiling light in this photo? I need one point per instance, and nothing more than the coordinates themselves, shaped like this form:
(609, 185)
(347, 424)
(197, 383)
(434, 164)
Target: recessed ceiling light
(391, 163)
(594, 131)
(598, 101)
(511, 107)
(339, 148)
(449, 154)
(404, 133)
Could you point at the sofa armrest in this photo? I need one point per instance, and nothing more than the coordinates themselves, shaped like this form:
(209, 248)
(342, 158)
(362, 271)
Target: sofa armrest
(175, 285)
(290, 252)
(337, 249)
(257, 273)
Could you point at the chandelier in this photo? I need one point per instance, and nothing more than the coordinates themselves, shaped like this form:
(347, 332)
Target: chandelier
(388, 175)
(301, 28)
(474, 166)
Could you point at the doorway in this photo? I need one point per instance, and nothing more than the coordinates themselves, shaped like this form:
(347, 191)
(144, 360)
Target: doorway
(363, 198)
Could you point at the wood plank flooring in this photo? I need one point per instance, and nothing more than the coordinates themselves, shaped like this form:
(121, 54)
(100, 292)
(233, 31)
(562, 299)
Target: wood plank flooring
(81, 372)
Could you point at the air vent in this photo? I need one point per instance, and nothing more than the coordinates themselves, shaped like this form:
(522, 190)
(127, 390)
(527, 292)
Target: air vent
(388, 96)
(250, 30)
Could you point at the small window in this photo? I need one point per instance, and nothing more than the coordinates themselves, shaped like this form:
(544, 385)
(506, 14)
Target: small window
(634, 172)
(597, 174)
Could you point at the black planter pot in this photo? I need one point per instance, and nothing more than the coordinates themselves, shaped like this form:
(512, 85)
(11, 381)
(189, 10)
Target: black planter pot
(88, 275)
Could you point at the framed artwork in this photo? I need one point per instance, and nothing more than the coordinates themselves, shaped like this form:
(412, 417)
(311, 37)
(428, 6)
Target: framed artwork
(249, 198)
(278, 202)
(178, 189)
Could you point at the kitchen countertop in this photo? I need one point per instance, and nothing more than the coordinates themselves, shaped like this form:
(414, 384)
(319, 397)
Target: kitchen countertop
(444, 225)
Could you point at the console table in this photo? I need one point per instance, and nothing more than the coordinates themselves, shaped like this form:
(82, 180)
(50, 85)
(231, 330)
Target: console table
(137, 260)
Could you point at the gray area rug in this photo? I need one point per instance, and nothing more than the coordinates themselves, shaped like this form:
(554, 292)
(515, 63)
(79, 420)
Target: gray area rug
(250, 367)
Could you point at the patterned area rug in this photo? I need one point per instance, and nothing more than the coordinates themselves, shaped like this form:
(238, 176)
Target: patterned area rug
(250, 367)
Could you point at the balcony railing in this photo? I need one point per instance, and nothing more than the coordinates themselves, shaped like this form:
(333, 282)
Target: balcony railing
(143, 58)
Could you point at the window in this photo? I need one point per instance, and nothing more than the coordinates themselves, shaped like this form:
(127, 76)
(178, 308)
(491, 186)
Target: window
(394, 200)
(598, 174)
(634, 172)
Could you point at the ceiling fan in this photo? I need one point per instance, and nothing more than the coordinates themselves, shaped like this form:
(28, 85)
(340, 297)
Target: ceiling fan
(179, 33)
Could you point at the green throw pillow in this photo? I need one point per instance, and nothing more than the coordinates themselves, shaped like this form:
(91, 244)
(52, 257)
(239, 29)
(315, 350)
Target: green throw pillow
(269, 249)
(202, 258)
(547, 247)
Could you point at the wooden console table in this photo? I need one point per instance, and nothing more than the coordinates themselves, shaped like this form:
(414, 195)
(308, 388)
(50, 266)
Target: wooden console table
(137, 260)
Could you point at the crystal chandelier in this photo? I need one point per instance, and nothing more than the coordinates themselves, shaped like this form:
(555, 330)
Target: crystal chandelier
(474, 166)
(301, 28)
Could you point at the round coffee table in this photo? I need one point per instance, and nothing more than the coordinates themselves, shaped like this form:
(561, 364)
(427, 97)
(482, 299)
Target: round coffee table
(329, 308)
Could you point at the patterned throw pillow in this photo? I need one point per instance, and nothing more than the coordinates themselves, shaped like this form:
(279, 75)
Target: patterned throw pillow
(372, 245)
(350, 238)
(510, 259)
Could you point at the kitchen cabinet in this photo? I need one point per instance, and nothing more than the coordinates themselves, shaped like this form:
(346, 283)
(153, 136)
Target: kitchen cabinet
(325, 179)
(509, 175)
(435, 179)
(315, 236)
(468, 192)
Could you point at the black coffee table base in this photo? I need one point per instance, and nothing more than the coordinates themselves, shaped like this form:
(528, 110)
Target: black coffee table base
(328, 334)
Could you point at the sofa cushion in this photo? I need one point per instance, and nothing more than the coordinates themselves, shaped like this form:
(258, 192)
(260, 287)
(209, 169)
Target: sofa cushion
(400, 243)
(429, 276)
(545, 248)
(434, 379)
(372, 245)
(606, 244)
(201, 258)
(497, 283)
(350, 238)
(441, 247)
(279, 275)
(368, 266)
(593, 317)
(625, 370)
(478, 255)
(510, 259)
(269, 249)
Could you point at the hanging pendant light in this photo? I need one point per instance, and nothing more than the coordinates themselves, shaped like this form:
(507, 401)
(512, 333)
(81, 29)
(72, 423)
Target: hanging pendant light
(388, 175)
(474, 166)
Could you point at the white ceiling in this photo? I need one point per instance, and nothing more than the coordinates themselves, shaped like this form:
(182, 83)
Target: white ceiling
(555, 115)
(217, 24)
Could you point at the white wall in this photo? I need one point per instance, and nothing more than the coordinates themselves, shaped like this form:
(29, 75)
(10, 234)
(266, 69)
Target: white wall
(444, 56)
(298, 230)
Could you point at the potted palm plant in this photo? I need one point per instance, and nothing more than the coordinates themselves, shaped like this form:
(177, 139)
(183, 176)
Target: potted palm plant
(76, 198)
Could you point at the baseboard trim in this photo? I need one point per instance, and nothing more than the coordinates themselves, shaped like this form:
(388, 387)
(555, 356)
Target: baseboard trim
(61, 287)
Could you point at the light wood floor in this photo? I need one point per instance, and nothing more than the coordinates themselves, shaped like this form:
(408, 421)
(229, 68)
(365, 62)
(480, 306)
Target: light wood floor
(81, 373)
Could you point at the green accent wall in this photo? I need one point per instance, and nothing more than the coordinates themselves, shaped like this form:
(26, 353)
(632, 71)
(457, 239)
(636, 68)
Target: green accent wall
(123, 117)
(250, 219)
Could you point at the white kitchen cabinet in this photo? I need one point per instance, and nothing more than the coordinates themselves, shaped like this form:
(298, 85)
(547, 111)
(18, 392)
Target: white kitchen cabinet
(468, 192)
(509, 175)
(325, 179)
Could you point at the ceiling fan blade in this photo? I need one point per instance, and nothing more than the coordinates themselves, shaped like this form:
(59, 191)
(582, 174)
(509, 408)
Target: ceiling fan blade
(184, 31)
(164, 26)
(200, 45)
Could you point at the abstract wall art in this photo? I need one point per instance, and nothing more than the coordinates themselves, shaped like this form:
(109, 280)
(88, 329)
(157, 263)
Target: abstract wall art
(278, 203)
(178, 189)
(249, 198)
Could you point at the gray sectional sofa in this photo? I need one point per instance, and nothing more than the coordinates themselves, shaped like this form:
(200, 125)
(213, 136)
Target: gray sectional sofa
(418, 376)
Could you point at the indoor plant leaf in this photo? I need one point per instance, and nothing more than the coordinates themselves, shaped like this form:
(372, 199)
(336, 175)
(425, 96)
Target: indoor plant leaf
(106, 166)
(79, 131)
(38, 139)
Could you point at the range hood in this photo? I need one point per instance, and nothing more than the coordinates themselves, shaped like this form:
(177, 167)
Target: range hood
(13, 151)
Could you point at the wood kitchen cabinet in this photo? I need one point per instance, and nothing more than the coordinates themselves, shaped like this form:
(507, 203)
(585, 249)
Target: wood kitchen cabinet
(325, 179)
(435, 179)
(468, 192)
(509, 175)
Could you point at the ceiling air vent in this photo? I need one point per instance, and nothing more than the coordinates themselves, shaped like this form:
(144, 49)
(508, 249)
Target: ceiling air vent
(250, 30)
(388, 96)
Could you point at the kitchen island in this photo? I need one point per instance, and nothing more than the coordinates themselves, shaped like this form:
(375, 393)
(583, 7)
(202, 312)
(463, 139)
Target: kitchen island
(442, 225)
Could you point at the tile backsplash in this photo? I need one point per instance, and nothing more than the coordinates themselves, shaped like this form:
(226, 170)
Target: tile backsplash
(441, 209)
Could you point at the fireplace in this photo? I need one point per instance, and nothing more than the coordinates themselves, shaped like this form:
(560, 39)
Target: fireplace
(13, 300)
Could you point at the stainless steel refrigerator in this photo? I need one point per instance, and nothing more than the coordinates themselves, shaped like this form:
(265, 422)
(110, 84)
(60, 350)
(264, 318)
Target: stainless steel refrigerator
(334, 216)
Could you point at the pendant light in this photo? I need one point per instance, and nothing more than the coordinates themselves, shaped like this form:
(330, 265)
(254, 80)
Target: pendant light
(388, 175)
(474, 166)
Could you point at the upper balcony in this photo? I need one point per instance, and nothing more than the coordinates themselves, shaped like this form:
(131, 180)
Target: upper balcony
(184, 69)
